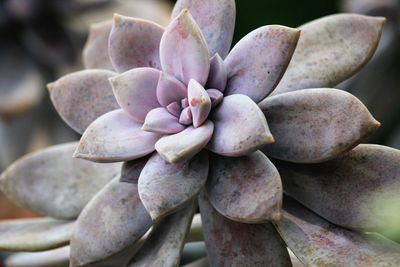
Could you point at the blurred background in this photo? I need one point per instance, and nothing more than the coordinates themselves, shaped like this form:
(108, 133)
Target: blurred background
(40, 40)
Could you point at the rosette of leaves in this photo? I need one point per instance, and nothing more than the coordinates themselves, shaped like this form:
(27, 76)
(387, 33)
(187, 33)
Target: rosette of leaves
(195, 122)
(378, 85)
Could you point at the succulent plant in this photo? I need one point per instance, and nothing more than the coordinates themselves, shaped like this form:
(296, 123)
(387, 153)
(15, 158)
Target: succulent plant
(195, 123)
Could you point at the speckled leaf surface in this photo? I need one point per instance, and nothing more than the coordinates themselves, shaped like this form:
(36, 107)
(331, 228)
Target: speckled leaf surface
(318, 243)
(350, 190)
(52, 183)
(165, 243)
(246, 189)
(51, 258)
(134, 43)
(115, 219)
(315, 125)
(34, 234)
(83, 96)
(236, 244)
(218, 75)
(217, 29)
(240, 127)
(115, 137)
(183, 50)
(186, 144)
(136, 91)
(330, 50)
(95, 53)
(164, 187)
(258, 61)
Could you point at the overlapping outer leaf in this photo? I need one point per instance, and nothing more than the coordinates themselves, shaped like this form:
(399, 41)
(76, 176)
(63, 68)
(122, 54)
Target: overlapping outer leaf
(245, 189)
(53, 183)
(95, 53)
(315, 125)
(240, 127)
(257, 62)
(330, 50)
(236, 244)
(347, 190)
(164, 187)
(34, 234)
(110, 226)
(216, 20)
(82, 97)
(165, 243)
(134, 43)
(318, 243)
(115, 137)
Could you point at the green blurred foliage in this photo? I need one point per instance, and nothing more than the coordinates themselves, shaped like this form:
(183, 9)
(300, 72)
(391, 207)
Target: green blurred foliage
(252, 14)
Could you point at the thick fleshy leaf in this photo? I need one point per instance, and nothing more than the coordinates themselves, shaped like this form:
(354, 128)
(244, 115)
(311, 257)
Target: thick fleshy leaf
(199, 103)
(315, 125)
(350, 190)
(231, 243)
(330, 50)
(83, 96)
(216, 20)
(165, 243)
(175, 109)
(52, 183)
(169, 89)
(115, 137)
(186, 144)
(34, 234)
(51, 258)
(218, 76)
(131, 170)
(216, 97)
(164, 187)
(136, 91)
(95, 53)
(240, 127)
(258, 61)
(134, 43)
(183, 50)
(113, 221)
(21, 84)
(186, 117)
(159, 120)
(245, 189)
(202, 262)
(318, 243)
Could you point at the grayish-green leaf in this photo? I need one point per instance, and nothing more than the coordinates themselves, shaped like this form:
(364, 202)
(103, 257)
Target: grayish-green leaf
(51, 258)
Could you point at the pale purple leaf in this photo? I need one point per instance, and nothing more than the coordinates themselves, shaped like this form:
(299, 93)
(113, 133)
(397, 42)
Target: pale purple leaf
(183, 50)
(113, 222)
(134, 43)
(165, 187)
(186, 117)
(216, 97)
(58, 257)
(216, 20)
(330, 50)
(83, 96)
(240, 127)
(115, 137)
(159, 120)
(131, 170)
(231, 243)
(52, 183)
(186, 144)
(199, 102)
(170, 89)
(175, 109)
(245, 189)
(218, 76)
(258, 61)
(315, 125)
(95, 53)
(136, 91)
